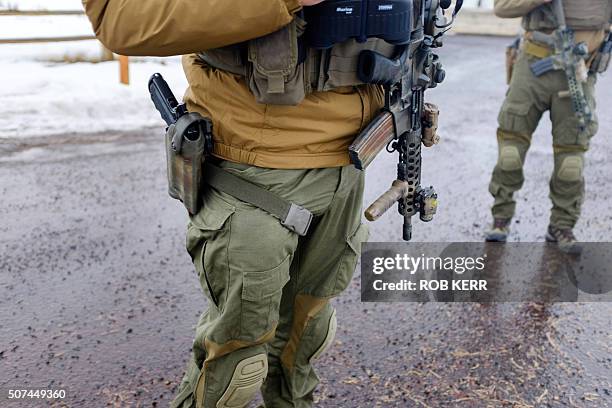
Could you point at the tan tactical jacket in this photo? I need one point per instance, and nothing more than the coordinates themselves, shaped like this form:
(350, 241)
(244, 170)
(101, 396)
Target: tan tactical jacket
(588, 18)
(314, 134)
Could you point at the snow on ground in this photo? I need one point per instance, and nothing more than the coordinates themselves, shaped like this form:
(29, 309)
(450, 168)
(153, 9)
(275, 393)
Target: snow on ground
(41, 99)
(43, 96)
(41, 4)
(50, 52)
(44, 26)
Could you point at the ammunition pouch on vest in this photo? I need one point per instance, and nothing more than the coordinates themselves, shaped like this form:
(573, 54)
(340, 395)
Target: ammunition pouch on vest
(579, 14)
(281, 69)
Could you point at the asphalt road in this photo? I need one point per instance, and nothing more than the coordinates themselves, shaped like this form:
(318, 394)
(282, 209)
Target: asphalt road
(98, 296)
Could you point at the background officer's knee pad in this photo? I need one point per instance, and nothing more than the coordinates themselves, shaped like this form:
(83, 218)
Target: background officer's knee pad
(246, 381)
(510, 158)
(571, 169)
(329, 335)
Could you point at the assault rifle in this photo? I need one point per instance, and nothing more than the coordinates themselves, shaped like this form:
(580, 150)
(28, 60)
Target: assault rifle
(406, 121)
(568, 57)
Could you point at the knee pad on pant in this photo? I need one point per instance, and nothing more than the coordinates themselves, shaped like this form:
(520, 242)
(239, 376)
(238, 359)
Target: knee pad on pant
(570, 169)
(510, 158)
(312, 331)
(246, 381)
(332, 326)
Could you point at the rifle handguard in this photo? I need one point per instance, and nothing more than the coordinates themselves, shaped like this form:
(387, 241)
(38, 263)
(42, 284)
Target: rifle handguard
(399, 189)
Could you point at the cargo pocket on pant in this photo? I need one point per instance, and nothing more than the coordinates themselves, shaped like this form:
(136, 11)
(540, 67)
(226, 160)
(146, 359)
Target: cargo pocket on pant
(261, 296)
(514, 117)
(201, 245)
(567, 133)
(351, 254)
(206, 280)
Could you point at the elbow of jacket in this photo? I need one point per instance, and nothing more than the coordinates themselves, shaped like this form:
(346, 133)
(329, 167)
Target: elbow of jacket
(115, 44)
(132, 49)
(112, 44)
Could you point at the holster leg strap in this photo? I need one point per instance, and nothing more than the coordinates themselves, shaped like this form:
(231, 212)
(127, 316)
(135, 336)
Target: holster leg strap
(292, 216)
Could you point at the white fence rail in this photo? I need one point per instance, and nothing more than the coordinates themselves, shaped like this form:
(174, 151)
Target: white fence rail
(16, 26)
(41, 12)
(74, 20)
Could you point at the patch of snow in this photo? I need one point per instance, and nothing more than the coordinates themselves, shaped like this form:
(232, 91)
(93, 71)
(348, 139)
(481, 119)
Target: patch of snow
(14, 27)
(43, 96)
(50, 52)
(41, 4)
(40, 99)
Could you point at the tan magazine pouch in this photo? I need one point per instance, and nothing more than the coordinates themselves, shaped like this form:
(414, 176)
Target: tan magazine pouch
(275, 75)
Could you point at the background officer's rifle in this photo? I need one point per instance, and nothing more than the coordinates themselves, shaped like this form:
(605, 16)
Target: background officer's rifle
(568, 57)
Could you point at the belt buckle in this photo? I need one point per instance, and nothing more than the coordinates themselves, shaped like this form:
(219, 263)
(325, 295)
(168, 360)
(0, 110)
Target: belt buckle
(298, 219)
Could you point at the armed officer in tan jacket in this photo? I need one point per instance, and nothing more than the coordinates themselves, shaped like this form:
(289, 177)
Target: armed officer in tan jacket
(529, 96)
(283, 117)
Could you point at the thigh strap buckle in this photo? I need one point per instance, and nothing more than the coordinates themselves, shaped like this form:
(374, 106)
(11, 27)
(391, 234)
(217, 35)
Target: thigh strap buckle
(298, 219)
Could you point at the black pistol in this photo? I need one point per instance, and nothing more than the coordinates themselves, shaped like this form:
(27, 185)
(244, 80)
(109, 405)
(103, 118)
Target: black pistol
(171, 111)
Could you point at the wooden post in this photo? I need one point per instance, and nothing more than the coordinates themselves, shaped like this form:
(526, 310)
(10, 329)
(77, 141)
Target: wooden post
(124, 68)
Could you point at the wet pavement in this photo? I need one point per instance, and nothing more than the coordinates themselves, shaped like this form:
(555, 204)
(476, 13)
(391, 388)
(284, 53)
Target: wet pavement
(98, 296)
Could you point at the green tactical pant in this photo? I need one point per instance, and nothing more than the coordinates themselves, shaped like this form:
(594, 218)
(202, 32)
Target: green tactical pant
(269, 315)
(527, 99)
